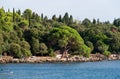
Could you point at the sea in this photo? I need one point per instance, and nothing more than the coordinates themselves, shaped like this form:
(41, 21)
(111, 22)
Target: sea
(83, 70)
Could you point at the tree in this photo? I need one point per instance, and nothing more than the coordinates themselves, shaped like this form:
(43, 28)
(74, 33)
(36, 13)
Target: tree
(66, 39)
(25, 48)
(115, 43)
(54, 17)
(6, 48)
(23, 24)
(117, 22)
(34, 46)
(94, 21)
(15, 50)
(13, 37)
(25, 45)
(71, 19)
(1, 41)
(27, 15)
(66, 18)
(42, 16)
(60, 18)
(86, 22)
(13, 15)
(19, 12)
(2, 13)
(90, 45)
(45, 18)
(43, 49)
(101, 46)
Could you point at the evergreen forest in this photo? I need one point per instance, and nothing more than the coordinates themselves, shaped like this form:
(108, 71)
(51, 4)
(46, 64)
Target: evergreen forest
(27, 33)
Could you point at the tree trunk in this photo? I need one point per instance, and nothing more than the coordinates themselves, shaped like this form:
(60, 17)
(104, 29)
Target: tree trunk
(64, 52)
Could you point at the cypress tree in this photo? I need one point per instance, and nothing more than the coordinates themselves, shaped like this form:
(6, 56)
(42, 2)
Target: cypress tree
(94, 21)
(13, 15)
(19, 12)
(29, 20)
(60, 18)
(66, 18)
(42, 16)
(54, 17)
(71, 19)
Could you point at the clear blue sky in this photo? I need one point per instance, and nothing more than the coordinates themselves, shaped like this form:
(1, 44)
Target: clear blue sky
(80, 9)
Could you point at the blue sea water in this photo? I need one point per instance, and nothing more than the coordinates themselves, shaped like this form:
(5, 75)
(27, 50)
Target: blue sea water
(86, 70)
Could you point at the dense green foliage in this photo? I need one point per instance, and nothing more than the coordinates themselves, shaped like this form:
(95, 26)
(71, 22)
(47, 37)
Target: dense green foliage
(66, 38)
(25, 34)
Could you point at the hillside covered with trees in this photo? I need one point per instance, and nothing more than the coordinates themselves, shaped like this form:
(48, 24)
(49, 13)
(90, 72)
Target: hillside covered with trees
(26, 33)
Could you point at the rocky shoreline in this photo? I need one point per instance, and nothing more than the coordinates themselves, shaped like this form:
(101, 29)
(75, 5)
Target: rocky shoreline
(75, 58)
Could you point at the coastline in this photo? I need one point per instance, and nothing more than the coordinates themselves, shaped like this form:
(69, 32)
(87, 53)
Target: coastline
(75, 58)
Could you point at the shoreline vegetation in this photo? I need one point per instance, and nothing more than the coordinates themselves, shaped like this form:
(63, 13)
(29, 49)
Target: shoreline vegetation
(75, 58)
(29, 37)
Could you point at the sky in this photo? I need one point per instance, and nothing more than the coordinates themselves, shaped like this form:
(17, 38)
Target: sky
(80, 9)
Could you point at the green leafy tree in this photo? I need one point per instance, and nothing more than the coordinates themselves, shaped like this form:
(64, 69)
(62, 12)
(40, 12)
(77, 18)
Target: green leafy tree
(34, 46)
(51, 52)
(43, 49)
(115, 43)
(66, 39)
(101, 47)
(23, 24)
(86, 22)
(1, 42)
(15, 50)
(25, 48)
(6, 48)
(13, 37)
(2, 13)
(27, 15)
(106, 53)
(90, 45)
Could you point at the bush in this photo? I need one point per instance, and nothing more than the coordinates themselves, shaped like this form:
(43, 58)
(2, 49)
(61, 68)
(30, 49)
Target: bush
(15, 50)
(43, 49)
(106, 53)
(51, 53)
(25, 53)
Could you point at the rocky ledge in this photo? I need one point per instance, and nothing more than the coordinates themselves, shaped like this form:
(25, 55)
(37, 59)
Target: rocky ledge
(75, 58)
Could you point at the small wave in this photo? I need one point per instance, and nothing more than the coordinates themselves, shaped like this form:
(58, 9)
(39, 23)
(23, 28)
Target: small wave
(11, 72)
